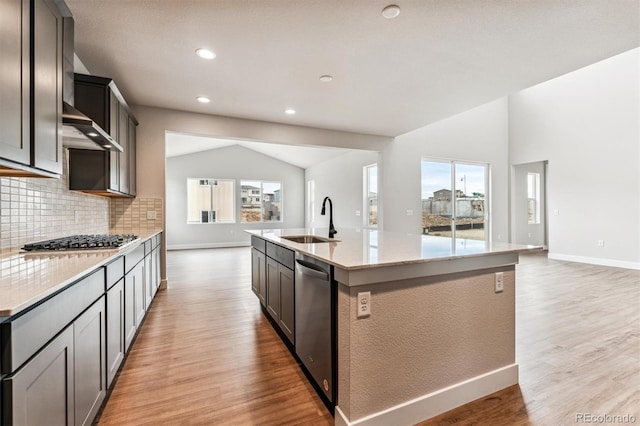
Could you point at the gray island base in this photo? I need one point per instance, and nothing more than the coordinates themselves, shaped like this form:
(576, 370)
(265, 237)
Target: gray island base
(440, 330)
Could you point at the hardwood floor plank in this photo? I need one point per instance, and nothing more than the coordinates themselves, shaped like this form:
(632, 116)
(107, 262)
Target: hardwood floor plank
(207, 355)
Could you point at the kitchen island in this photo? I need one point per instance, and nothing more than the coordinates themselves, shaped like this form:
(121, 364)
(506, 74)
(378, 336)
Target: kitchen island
(441, 325)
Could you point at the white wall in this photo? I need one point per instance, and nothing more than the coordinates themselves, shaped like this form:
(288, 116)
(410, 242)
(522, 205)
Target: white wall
(341, 179)
(478, 135)
(586, 124)
(231, 162)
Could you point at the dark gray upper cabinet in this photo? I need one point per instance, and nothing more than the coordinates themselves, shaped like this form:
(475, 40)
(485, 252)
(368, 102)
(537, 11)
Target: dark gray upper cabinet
(132, 157)
(100, 172)
(46, 148)
(30, 88)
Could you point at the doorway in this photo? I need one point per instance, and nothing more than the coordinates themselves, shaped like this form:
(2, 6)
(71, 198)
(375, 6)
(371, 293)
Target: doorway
(455, 199)
(529, 209)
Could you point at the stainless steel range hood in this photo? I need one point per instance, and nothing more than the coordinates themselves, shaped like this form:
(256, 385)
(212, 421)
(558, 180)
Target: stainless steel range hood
(79, 131)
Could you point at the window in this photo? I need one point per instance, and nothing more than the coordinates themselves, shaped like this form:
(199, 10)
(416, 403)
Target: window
(533, 198)
(371, 194)
(210, 200)
(261, 201)
(453, 199)
(311, 201)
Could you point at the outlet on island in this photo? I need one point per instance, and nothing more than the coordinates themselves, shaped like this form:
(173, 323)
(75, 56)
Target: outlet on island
(499, 282)
(364, 304)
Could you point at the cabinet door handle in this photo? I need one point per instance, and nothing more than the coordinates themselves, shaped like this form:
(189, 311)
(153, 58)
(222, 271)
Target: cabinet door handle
(309, 269)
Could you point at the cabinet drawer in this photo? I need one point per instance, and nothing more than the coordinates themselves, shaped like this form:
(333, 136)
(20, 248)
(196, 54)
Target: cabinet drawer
(134, 257)
(281, 254)
(26, 334)
(258, 243)
(115, 272)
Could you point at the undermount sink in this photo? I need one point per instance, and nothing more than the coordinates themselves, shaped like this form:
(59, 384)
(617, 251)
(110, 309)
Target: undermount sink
(308, 239)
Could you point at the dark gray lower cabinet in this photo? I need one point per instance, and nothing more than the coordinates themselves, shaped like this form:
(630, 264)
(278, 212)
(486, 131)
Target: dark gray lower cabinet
(156, 266)
(89, 366)
(137, 275)
(42, 391)
(273, 288)
(280, 296)
(149, 282)
(287, 302)
(133, 302)
(64, 383)
(115, 330)
(258, 275)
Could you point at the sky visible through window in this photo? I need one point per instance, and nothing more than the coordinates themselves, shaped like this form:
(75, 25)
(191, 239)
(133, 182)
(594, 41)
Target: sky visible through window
(373, 179)
(437, 175)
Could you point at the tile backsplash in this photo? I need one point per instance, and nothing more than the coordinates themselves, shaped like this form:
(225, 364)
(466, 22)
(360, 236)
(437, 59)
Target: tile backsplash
(33, 209)
(128, 215)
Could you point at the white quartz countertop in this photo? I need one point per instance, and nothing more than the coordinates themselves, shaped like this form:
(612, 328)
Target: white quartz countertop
(27, 278)
(368, 248)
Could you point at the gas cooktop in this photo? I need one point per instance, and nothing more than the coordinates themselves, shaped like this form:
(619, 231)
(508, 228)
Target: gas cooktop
(81, 242)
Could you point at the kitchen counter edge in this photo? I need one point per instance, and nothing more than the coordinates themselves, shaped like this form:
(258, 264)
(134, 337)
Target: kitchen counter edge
(110, 255)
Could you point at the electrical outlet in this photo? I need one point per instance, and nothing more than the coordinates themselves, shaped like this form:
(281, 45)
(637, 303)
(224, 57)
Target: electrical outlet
(409, 212)
(556, 212)
(76, 216)
(364, 304)
(499, 282)
(600, 243)
(151, 215)
(357, 212)
(529, 234)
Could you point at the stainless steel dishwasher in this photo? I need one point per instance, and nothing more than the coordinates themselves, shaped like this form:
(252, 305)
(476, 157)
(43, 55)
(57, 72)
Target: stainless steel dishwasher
(314, 323)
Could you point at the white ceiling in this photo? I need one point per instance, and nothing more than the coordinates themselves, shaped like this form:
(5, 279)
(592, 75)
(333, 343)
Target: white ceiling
(438, 58)
(301, 156)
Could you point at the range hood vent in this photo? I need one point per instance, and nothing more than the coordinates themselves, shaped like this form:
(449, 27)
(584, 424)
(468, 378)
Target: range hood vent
(79, 131)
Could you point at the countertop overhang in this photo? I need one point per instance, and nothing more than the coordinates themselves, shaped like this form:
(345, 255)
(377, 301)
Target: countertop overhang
(363, 256)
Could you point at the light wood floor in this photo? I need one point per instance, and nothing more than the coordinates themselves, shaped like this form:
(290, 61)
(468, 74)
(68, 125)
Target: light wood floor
(206, 354)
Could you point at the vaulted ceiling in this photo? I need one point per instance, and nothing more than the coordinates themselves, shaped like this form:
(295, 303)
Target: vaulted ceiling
(390, 76)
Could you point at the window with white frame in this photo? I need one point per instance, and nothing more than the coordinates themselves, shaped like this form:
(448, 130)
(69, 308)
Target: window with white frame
(311, 201)
(455, 199)
(533, 198)
(261, 201)
(210, 200)
(371, 194)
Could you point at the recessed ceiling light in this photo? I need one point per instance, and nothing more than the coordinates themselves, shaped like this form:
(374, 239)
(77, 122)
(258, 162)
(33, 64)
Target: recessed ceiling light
(205, 53)
(391, 11)
(326, 78)
(203, 99)
(106, 146)
(92, 134)
(290, 111)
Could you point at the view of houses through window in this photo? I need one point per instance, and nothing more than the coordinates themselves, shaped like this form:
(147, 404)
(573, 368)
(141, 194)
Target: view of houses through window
(261, 201)
(371, 194)
(210, 200)
(453, 199)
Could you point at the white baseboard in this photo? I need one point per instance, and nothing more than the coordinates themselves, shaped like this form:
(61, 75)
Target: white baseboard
(595, 261)
(207, 245)
(443, 400)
